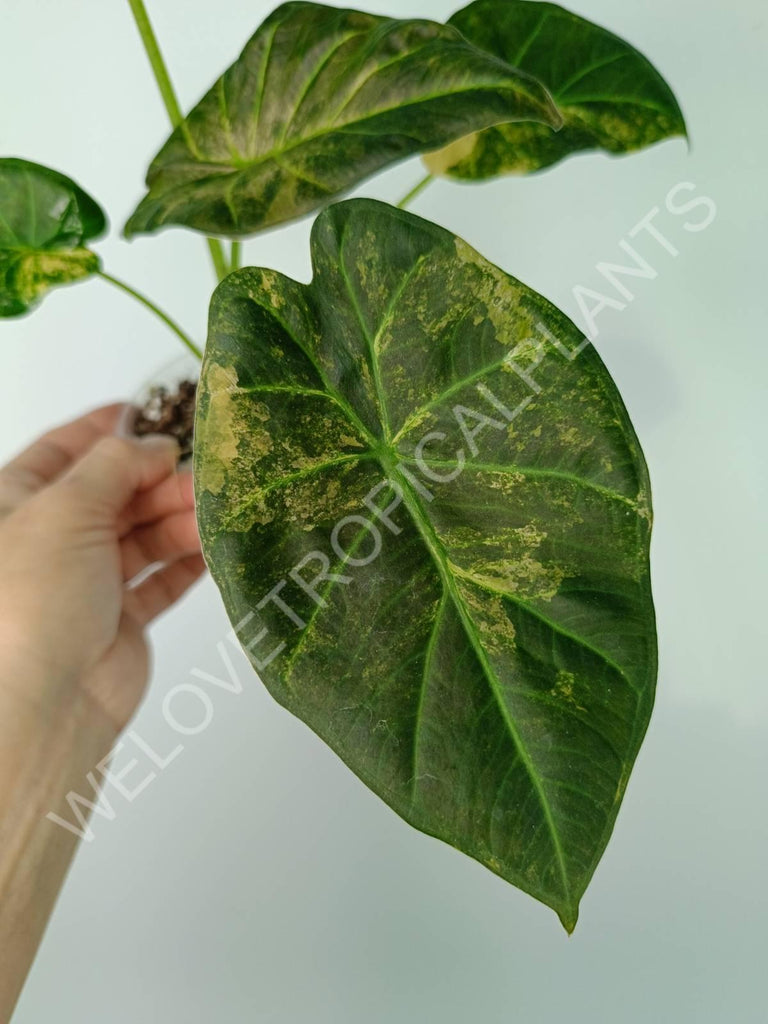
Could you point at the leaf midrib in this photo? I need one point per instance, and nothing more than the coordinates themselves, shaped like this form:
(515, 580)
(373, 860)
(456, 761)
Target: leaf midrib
(381, 400)
(439, 556)
(239, 167)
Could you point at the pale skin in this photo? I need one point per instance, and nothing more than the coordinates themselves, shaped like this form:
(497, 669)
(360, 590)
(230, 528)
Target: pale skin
(82, 513)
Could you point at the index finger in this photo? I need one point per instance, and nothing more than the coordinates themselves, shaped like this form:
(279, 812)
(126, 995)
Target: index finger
(53, 453)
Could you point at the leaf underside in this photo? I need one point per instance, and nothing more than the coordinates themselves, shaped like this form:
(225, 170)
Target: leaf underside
(320, 99)
(610, 96)
(45, 219)
(490, 673)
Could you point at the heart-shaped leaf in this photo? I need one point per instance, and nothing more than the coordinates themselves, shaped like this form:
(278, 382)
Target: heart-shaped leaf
(320, 99)
(45, 219)
(429, 519)
(610, 96)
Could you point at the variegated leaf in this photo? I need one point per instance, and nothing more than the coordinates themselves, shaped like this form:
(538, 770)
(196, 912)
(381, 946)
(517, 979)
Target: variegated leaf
(320, 99)
(611, 97)
(45, 219)
(428, 514)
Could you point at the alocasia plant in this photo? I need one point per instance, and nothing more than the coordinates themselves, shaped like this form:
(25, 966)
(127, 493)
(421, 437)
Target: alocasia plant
(413, 475)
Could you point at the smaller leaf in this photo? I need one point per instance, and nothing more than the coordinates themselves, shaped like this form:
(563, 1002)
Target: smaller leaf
(610, 96)
(320, 99)
(45, 219)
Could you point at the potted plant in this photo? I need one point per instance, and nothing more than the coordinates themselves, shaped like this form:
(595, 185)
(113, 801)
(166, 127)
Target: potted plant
(418, 489)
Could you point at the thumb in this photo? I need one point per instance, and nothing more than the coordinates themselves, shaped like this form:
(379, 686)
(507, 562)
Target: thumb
(116, 469)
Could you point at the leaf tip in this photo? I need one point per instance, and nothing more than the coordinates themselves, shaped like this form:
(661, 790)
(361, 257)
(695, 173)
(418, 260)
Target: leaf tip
(129, 230)
(569, 917)
(140, 222)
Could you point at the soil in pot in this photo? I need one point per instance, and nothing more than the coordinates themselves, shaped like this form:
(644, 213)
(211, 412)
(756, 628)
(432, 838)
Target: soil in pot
(168, 410)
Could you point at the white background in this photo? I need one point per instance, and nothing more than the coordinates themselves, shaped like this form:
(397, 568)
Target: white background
(256, 879)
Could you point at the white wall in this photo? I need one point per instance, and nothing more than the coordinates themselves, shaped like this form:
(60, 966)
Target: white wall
(256, 879)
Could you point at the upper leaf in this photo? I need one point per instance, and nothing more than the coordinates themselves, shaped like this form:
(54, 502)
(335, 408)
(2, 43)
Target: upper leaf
(610, 96)
(44, 220)
(482, 653)
(319, 99)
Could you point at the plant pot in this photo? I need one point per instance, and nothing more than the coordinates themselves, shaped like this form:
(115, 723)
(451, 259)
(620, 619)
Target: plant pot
(165, 404)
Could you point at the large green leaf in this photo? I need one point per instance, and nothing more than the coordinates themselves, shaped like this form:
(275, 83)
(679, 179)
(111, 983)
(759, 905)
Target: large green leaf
(44, 220)
(319, 99)
(490, 672)
(610, 96)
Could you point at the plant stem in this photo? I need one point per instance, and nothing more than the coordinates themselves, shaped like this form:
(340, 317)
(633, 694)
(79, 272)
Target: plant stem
(234, 262)
(159, 69)
(154, 309)
(416, 190)
(164, 84)
(218, 258)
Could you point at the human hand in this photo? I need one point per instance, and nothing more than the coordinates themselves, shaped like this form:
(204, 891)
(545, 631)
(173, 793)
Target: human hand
(82, 513)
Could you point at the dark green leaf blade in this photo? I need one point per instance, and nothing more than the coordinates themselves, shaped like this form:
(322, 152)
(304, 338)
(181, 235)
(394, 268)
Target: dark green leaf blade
(320, 99)
(611, 97)
(45, 219)
(490, 672)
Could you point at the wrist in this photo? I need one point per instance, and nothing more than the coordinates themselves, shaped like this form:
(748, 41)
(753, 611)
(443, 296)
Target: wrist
(28, 670)
(41, 695)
